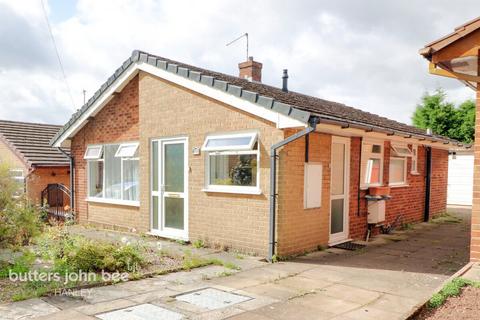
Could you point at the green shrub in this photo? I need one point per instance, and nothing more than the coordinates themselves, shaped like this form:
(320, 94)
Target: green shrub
(19, 224)
(73, 253)
(87, 256)
(124, 258)
(451, 289)
(8, 187)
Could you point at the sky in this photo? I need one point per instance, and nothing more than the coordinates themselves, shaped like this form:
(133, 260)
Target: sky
(360, 53)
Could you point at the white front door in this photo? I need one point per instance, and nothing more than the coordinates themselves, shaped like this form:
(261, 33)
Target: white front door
(339, 185)
(170, 188)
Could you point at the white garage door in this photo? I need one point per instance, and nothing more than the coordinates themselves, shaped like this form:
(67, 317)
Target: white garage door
(460, 180)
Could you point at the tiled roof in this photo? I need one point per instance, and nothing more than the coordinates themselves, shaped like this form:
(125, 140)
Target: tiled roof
(296, 105)
(459, 32)
(30, 141)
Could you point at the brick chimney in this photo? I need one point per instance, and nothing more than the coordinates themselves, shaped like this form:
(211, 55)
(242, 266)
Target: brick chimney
(251, 70)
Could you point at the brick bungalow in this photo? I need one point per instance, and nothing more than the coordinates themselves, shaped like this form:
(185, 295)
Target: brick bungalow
(32, 161)
(456, 56)
(182, 152)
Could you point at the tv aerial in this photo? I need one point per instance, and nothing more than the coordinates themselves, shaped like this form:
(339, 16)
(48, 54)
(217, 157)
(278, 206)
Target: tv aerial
(245, 35)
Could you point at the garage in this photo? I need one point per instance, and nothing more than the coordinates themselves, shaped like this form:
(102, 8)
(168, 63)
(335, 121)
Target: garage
(460, 179)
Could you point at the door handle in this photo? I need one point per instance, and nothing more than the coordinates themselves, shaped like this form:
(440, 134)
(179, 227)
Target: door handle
(172, 195)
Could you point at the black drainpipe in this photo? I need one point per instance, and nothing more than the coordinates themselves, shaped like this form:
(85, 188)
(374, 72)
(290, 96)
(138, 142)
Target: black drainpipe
(72, 187)
(273, 179)
(428, 178)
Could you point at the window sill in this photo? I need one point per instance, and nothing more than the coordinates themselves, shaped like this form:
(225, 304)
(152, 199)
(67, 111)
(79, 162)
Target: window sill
(415, 173)
(399, 185)
(116, 202)
(366, 187)
(234, 190)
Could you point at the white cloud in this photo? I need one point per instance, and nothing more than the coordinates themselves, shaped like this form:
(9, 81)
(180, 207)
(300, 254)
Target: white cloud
(362, 53)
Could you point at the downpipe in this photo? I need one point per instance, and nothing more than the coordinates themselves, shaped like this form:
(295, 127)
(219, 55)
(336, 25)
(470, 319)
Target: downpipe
(273, 179)
(72, 187)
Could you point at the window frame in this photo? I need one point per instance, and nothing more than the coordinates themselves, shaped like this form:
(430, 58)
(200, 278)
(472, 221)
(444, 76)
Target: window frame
(405, 171)
(400, 154)
(126, 145)
(233, 150)
(371, 155)
(20, 180)
(95, 157)
(414, 170)
(22, 177)
(253, 135)
(122, 179)
(102, 199)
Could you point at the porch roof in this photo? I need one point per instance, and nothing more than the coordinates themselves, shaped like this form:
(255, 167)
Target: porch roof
(456, 54)
(294, 105)
(30, 142)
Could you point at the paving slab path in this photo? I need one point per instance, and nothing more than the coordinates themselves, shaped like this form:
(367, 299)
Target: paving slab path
(387, 280)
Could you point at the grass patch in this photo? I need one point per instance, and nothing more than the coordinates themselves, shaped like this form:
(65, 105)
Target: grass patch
(20, 264)
(198, 244)
(231, 266)
(191, 261)
(451, 289)
(407, 226)
(225, 273)
(446, 218)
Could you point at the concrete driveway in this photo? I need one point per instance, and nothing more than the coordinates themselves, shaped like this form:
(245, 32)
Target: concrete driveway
(387, 280)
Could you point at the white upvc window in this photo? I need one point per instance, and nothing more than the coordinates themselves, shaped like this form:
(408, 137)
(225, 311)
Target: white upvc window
(397, 171)
(18, 176)
(114, 176)
(414, 168)
(126, 150)
(401, 150)
(230, 142)
(232, 163)
(372, 163)
(93, 152)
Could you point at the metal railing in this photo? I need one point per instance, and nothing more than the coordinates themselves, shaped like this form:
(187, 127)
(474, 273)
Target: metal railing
(55, 199)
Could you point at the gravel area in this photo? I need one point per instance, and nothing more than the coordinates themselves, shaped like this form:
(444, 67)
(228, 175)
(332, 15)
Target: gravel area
(465, 306)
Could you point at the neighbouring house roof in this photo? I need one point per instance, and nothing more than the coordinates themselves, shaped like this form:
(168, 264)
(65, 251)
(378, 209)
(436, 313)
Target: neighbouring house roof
(30, 142)
(292, 104)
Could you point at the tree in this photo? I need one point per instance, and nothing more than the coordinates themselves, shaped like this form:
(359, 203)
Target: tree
(444, 118)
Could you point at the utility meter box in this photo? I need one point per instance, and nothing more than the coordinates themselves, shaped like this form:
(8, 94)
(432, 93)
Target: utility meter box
(376, 211)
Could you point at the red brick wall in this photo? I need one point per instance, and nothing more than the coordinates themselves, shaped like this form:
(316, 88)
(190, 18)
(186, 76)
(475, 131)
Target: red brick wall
(41, 177)
(116, 122)
(475, 242)
(409, 201)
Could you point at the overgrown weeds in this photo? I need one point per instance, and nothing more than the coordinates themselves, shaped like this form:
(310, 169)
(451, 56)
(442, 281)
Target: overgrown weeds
(19, 221)
(74, 253)
(446, 218)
